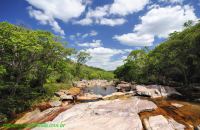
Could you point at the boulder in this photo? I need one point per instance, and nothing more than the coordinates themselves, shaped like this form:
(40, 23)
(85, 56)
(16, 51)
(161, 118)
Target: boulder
(59, 93)
(66, 97)
(125, 86)
(103, 115)
(155, 91)
(55, 103)
(159, 122)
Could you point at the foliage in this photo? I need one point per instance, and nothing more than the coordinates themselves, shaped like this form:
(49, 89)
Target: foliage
(33, 65)
(174, 62)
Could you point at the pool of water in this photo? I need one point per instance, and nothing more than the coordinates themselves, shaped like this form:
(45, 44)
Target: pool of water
(100, 90)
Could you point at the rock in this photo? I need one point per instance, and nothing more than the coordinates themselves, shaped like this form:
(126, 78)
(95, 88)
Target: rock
(114, 95)
(38, 116)
(159, 122)
(28, 116)
(197, 127)
(66, 97)
(155, 91)
(177, 105)
(64, 91)
(92, 83)
(59, 94)
(74, 91)
(125, 86)
(55, 103)
(176, 125)
(103, 115)
(89, 97)
(65, 103)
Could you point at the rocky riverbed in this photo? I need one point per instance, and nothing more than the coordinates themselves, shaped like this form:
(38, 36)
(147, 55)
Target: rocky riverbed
(100, 105)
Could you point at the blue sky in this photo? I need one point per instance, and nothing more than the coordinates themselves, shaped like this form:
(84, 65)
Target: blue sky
(107, 29)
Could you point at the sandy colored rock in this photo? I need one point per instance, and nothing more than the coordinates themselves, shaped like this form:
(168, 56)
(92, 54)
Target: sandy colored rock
(74, 91)
(88, 97)
(177, 105)
(114, 95)
(55, 103)
(103, 115)
(66, 97)
(155, 91)
(92, 83)
(159, 122)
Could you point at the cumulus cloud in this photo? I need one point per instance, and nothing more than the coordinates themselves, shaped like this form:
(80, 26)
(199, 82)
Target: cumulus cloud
(103, 57)
(111, 22)
(159, 22)
(134, 39)
(93, 44)
(125, 7)
(112, 14)
(47, 11)
(85, 21)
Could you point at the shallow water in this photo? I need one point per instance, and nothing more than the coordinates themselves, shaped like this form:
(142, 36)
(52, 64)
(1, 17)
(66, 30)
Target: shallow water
(100, 90)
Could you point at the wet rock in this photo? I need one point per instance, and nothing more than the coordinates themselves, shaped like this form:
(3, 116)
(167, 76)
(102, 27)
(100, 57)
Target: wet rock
(155, 91)
(103, 115)
(159, 122)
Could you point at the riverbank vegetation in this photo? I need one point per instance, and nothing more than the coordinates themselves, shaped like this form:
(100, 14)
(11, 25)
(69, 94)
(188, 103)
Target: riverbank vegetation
(175, 62)
(34, 64)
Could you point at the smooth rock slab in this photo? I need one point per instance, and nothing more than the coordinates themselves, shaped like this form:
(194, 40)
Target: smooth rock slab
(104, 115)
(155, 91)
(159, 122)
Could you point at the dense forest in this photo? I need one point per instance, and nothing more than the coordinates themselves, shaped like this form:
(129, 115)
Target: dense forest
(175, 62)
(34, 64)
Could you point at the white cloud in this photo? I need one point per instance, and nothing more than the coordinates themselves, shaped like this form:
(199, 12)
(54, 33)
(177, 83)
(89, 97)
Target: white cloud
(172, 1)
(45, 19)
(78, 35)
(161, 21)
(85, 21)
(98, 12)
(125, 7)
(93, 33)
(103, 57)
(47, 11)
(111, 22)
(103, 15)
(158, 22)
(134, 39)
(93, 44)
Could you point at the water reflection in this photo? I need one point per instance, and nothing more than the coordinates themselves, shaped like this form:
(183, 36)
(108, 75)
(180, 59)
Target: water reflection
(100, 90)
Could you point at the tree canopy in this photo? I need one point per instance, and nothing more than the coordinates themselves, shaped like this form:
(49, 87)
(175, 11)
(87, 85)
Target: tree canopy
(174, 62)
